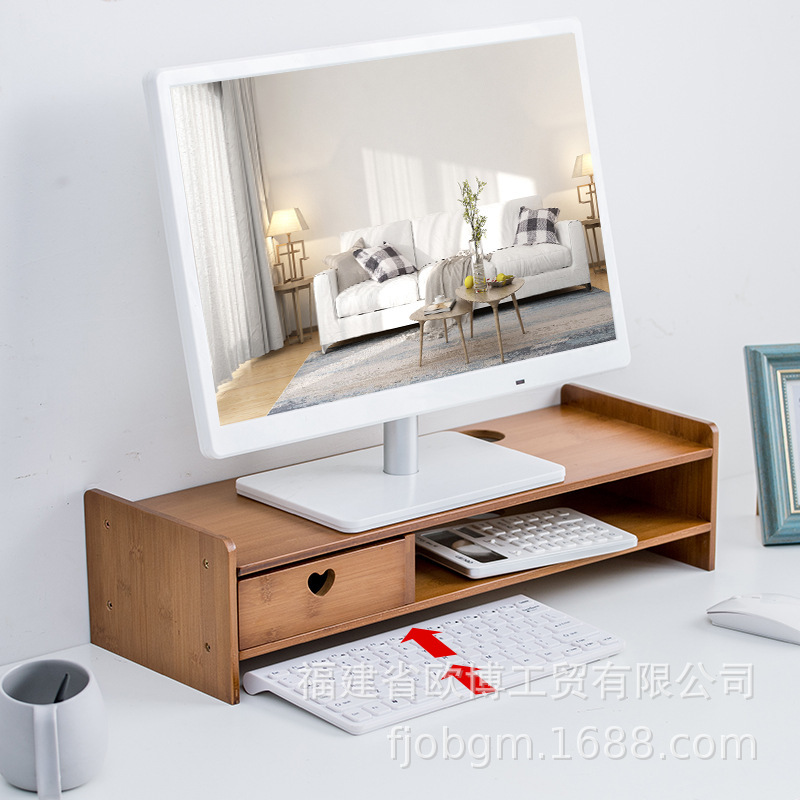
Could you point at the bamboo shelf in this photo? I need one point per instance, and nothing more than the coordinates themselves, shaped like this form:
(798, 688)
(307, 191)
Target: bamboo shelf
(193, 582)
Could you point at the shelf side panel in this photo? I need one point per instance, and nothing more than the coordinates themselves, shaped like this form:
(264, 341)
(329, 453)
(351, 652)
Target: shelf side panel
(162, 594)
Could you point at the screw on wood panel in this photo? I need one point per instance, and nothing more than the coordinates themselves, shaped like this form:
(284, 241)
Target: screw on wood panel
(107, 523)
(208, 647)
(205, 563)
(110, 605)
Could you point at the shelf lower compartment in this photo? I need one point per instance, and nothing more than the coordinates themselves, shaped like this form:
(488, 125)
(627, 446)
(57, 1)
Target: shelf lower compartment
(654, 527)
(436, 585)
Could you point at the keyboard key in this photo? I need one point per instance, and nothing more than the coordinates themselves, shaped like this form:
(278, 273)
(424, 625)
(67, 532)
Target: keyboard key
(378, 709)
(357, 715)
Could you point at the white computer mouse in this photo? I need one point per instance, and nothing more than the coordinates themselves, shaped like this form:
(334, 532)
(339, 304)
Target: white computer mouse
(776, 616)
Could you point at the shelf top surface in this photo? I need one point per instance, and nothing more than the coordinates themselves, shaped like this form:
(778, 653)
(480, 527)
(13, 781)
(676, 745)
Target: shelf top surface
(594, 448)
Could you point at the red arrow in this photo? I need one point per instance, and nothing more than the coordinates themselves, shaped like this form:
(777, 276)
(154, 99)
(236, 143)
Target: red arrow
(469, 677)
(427, 639)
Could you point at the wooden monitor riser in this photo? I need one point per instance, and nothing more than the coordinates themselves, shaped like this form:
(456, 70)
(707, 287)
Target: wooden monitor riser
(191, 583)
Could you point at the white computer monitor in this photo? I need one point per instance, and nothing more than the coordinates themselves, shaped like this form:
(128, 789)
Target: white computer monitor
(360, 137)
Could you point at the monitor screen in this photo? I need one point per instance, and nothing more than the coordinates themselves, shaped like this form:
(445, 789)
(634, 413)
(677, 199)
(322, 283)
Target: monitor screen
(373, 138)
(331, 215)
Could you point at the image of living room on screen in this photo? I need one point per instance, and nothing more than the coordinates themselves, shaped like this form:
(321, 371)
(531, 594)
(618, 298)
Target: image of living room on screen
(371, 225)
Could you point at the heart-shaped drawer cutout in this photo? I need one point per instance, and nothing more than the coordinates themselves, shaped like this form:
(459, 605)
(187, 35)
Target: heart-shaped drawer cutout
(321, 584)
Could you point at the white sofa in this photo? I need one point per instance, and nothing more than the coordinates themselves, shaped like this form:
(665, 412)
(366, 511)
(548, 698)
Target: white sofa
(370, 307)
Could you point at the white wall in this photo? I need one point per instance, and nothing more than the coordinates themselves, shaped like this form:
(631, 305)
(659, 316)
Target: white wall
(694, 122)
(365, 144)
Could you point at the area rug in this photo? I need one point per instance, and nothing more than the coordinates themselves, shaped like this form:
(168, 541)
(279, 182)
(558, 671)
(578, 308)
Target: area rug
(552, 324)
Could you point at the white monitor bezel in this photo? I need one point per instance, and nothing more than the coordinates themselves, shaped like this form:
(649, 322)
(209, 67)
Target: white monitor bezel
(220, 441)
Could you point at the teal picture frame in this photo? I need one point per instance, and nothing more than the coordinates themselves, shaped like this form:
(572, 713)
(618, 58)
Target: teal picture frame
(773, 380)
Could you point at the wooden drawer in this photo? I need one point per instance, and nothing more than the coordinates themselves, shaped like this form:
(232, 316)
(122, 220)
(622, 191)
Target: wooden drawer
(326, 591)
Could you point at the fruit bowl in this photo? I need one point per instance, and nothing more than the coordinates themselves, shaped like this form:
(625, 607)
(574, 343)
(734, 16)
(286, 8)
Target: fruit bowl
(504, 281)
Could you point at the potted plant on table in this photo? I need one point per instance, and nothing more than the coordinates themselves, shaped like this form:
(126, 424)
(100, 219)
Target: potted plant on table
(477, 224)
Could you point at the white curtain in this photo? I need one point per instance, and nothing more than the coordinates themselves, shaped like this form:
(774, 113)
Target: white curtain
(227, 204)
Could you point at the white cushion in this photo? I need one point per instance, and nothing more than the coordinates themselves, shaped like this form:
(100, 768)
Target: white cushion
(524, 260)
(373, 296)
(439, 235)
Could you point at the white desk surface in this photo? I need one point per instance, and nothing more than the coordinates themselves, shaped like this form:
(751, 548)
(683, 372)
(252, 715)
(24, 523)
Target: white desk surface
(169, 741)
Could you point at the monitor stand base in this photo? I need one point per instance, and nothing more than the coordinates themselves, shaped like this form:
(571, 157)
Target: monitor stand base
(351, 492)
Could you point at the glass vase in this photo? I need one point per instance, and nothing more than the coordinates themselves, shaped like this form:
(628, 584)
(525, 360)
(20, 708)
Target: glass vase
(478, 270)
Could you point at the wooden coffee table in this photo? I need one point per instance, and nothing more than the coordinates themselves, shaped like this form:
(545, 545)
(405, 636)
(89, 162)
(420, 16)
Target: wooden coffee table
(492, 297)
(456, 312)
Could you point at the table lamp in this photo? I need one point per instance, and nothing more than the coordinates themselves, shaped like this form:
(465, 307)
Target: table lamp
(288, 221)
(583, 167)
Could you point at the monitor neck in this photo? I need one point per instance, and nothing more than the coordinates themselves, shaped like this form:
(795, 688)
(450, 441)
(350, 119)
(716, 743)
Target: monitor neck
(401, 446)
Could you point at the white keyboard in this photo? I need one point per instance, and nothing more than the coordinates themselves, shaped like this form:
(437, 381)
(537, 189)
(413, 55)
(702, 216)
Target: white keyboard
(382, 680)
(480, 548)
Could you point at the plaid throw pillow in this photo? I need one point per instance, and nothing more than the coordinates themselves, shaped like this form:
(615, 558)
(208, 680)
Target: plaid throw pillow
(383, 262)
(537, 227)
